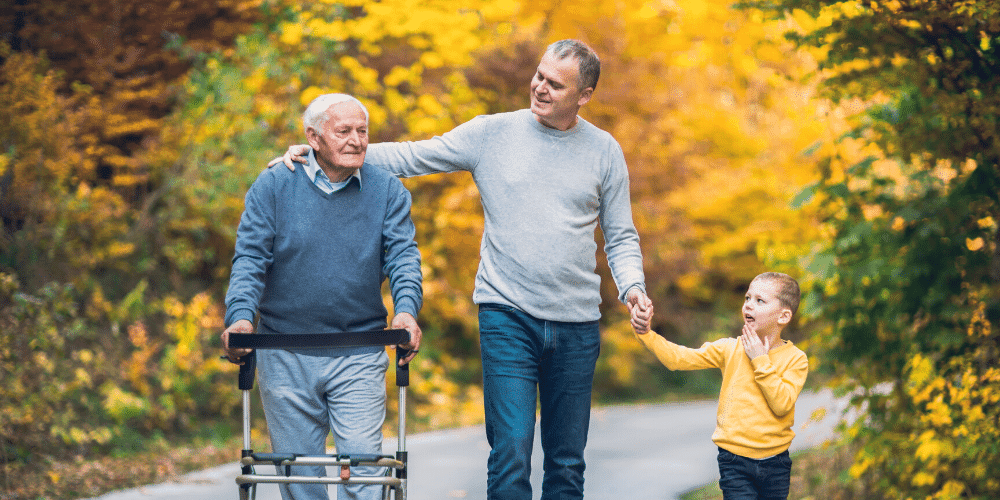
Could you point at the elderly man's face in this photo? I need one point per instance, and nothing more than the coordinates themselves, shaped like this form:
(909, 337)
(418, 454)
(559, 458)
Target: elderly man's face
(344, 139)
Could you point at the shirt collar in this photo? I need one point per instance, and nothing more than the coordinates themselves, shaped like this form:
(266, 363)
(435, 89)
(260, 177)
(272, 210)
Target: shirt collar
(312, 167)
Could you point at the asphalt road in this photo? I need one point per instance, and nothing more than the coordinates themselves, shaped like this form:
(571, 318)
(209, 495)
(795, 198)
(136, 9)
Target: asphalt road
(636, 452)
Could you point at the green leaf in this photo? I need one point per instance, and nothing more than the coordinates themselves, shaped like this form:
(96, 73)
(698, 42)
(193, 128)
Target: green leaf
(804, 196)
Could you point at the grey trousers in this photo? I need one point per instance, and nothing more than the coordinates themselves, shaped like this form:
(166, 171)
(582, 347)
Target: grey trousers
(307, 394)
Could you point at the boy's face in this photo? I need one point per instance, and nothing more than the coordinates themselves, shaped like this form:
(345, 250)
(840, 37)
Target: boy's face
(762, 310)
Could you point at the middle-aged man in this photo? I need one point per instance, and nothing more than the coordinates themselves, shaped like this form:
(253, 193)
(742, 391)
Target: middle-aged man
(312, 250)
(546, 178)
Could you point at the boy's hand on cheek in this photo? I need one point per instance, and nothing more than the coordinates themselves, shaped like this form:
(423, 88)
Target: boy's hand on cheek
(752, 344)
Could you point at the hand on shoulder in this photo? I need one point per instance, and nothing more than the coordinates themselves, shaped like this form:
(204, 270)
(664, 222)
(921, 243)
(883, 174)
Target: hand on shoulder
(296, 153)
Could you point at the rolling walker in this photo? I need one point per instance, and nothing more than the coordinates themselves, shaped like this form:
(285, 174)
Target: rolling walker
(393, 482)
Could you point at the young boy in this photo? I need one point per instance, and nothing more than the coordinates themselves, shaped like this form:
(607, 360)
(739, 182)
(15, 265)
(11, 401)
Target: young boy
(761, 379)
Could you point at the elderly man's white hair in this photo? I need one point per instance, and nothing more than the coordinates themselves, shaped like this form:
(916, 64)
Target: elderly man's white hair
(315, 115)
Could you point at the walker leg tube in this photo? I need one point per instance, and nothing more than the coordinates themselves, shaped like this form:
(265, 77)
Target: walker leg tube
(401, 453)
(402, 420)
(402, 381)
(245, 383)
(247, 451)
(246, 420)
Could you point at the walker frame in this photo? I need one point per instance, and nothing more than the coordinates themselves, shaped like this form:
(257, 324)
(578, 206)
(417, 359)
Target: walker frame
(393, 482)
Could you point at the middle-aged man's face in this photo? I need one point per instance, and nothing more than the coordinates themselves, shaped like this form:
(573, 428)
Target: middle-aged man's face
(555, 94)
(344, 139)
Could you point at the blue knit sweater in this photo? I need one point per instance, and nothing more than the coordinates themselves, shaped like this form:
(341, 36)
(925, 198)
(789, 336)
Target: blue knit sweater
(312, 262)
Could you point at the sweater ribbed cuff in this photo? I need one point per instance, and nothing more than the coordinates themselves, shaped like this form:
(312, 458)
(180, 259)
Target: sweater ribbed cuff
(406, 305)
(234, 316)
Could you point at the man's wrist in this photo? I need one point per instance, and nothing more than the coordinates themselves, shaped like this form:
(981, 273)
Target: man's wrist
(637, 287)
(408, 313)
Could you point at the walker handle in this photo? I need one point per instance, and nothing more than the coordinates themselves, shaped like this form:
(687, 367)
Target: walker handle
(402, 372)
(247, 370)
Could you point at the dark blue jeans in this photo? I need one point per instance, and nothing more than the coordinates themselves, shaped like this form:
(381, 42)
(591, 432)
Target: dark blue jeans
(525, 358)
(743, 478)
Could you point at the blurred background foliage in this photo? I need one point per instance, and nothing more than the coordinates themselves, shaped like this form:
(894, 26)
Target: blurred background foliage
(851, 144)
(908, 283)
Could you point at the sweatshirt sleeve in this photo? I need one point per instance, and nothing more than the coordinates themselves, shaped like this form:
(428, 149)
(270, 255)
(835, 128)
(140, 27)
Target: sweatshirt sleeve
(621, 240)
(676, 357)
(401, 258)
(459, 149)
(254, 251)
(781, 390)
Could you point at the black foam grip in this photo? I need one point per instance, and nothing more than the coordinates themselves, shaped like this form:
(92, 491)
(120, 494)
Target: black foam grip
(247, 370)
(402, 372)
(318, 340)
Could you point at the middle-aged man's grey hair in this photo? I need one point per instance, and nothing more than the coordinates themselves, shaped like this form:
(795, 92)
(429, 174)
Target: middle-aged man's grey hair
(315, 115)
(590, 65)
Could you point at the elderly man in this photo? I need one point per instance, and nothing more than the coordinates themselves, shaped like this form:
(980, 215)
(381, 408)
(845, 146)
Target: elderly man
(312, 250)
(546, 178)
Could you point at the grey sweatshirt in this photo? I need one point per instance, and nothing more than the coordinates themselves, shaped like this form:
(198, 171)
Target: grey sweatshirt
(543, 192)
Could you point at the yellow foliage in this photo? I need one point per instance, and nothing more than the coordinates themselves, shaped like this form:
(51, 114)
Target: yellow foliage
(920, 372)
(859, 467)
(923, 478)
(952, 490)
(188, 325)
(291, 34)
(122, 405)
(928, 447)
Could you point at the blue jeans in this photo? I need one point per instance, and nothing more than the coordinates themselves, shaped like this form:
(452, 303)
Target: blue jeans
(743, 478)
(524, 358)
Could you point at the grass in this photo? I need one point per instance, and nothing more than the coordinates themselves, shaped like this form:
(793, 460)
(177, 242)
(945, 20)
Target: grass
(81, 477)
(817, 473)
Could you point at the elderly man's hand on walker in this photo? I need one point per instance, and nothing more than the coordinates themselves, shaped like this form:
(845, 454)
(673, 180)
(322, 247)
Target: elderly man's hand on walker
(234, 355)
(407, 322)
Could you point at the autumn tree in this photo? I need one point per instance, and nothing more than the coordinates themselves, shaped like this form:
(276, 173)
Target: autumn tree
(909, 281)
(101, 322)
(78, 176)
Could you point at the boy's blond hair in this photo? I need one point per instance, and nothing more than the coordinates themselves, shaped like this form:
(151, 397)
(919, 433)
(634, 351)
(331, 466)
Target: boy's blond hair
(788, 289)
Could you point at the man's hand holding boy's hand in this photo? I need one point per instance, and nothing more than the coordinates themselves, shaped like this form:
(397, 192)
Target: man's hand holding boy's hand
(752, 343)
(296, 153)
(641, 310)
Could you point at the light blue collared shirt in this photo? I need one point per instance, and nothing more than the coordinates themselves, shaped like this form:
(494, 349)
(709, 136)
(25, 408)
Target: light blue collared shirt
(320, 179)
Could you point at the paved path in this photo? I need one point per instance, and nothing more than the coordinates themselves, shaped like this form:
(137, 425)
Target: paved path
(634, 452)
